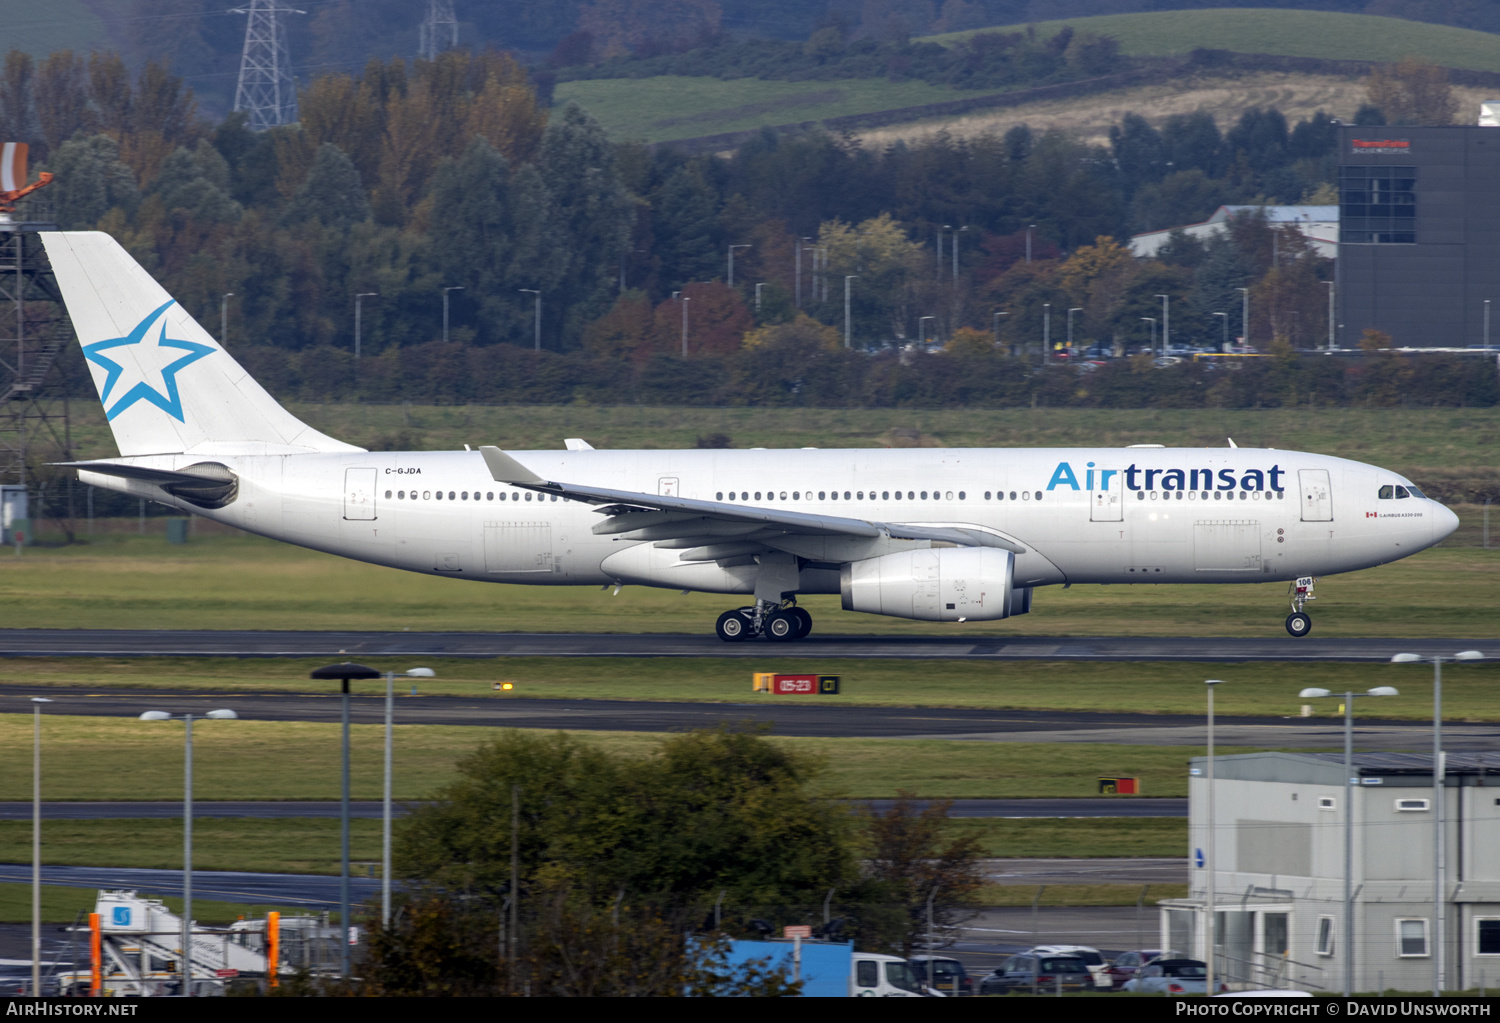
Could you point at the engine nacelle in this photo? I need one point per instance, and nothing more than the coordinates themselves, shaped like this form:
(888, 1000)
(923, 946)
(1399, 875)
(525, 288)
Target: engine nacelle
(945, 584)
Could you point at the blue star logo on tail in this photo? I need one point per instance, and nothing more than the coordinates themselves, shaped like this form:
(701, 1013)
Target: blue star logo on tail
(166, 397)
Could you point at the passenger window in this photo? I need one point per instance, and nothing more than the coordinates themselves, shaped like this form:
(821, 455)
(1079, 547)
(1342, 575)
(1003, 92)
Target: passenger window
(1025, 495)
(439, 495)
(860, 494)
(757, 495)
(426, 495)
(822, 496)
(833, 495)
(898, 495)
(885, 495)
(846, 495)
(1012, 495)
(450, 495)
(1401, 493)
(489, 495)
(1038, 495)
(960, 495)
(719, 496)
(924, 495)
(528, 495)
(986, 495)
(465, 495)
(400, 495)
(554, 497)
(950, 495)
(783, 495)
(796, 495)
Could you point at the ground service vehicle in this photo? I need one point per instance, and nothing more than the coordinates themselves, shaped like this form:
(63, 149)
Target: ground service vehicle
(832, 969)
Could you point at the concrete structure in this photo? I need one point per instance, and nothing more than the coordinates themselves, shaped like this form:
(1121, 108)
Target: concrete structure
(1280, 862)
(1320, 224)
(1419, 251)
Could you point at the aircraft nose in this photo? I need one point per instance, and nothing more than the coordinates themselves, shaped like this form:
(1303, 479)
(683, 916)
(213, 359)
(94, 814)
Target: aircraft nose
(1444, 522)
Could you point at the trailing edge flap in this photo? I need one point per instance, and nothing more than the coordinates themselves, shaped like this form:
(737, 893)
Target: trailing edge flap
(505, 469)
(207, 484)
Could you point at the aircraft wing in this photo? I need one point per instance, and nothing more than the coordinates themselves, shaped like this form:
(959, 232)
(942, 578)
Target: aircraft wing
(716, 530)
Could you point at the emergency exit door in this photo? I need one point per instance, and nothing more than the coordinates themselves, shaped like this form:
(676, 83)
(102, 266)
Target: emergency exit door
(359, 494)
(1317, 495)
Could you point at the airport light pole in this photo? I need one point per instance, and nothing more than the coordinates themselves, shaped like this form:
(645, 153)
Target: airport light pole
(445, 310)
(1029, 228)
(847, 279)
(758, 286)
(1439, 783)
(955, 252)
(1349, 782)
(344, 672)
(922, 329)
(1225, 346)
(1210, 896)
(1166, 322)
(1331, 316)
(1244, 315)
(1151, 320)
(997, 324)
(185, 974)
(1046, 331)
(538, 316)
(358, 313)
(731, 261)
(1075, 309)
(1486, 323)
(36, 845)
(385, 815)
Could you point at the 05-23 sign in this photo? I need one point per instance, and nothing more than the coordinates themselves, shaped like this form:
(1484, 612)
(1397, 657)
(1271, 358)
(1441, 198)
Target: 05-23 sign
(796, 685)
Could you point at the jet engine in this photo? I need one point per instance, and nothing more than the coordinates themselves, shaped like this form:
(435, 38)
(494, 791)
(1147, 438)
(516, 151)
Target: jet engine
(945, 584)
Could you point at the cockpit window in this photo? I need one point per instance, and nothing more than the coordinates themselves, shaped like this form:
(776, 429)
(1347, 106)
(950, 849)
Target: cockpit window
(1402, 493)
(1417, 493)
(1387, 492)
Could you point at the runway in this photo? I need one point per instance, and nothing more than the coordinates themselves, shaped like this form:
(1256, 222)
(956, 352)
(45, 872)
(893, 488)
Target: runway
(1118, 806)
(187, 643)
(496, 710)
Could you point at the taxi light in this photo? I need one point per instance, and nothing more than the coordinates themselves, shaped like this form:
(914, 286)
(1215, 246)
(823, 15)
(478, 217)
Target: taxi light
(506, 685)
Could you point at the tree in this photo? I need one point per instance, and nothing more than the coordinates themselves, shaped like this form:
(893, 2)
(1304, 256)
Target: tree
(685, 223)
(1412, 92)
(332, 194)
(18, 96)
(62, 102)
(1138, 151)
(917, 865)
(91, 179)
(885, 260)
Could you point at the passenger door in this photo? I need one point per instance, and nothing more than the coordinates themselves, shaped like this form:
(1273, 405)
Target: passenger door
(359, 494)
(1106, 505)
(1317, 495)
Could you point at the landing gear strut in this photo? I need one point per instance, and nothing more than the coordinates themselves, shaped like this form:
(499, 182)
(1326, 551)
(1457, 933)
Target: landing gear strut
(781, 623)
(1299, 623)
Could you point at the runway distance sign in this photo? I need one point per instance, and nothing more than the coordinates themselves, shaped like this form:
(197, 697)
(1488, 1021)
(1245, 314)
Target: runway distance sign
(797, 685)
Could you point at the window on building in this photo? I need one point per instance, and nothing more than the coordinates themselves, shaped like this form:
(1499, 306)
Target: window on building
(1411, 937)
(1325, 935)
(1378, 205)
(1487, 936)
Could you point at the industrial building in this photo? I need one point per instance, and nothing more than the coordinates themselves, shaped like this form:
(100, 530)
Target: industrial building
(1419, 235)
(1279, 859)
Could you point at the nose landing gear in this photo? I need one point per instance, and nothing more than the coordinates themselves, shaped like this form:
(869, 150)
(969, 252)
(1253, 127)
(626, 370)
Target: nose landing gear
(1299, 623)
(779, 623)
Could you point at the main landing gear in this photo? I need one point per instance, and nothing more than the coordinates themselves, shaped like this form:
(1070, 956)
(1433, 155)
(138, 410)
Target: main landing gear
(1299, 623)
(779, 623)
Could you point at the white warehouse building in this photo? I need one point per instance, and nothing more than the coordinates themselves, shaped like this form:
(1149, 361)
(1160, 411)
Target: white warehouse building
(1318, 224)
(1279, 857)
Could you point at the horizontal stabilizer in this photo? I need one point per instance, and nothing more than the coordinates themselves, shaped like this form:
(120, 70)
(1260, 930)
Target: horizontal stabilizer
(206, 484)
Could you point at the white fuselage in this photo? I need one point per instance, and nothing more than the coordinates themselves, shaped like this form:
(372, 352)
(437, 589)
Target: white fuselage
(1105, 515)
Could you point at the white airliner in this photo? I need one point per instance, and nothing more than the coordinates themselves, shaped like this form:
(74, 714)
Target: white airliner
(929, 534)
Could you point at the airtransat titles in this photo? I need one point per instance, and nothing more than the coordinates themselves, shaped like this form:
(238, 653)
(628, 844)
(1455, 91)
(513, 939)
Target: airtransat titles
(1094, 478)
(941, 535)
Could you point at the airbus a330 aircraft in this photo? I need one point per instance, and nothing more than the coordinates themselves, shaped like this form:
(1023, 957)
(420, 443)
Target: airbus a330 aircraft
(929, 534)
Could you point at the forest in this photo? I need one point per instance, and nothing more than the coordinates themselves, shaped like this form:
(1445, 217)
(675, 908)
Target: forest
(499, 250)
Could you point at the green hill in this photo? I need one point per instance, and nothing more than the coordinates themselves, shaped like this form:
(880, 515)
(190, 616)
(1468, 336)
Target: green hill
(1285, 33)
(39, 29)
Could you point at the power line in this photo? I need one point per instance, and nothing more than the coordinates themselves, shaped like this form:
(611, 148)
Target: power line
(439, 30)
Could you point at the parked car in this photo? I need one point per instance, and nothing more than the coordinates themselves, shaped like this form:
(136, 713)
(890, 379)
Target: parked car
(1173, 977)
(1038, 973)
(1091, 957)
(1127, 964)
(948, 975)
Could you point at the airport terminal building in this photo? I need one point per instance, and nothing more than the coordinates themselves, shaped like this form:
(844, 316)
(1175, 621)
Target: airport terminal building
(1419, 234)
(1279, 859)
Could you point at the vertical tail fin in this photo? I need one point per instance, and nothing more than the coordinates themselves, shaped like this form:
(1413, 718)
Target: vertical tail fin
(166, 385)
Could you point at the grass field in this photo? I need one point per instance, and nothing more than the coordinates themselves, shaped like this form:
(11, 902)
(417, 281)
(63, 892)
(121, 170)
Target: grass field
(62, 905)
(1288, 33)
(1470, 692)
(133, 582)
(675, 107)
(97, 758)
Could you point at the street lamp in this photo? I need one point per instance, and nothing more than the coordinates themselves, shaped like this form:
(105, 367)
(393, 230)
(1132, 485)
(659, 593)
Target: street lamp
(1046, 330)
(1439, 783)
(1075, 309)
(385, 827)
(1331, 316)
(344, 672)
(36, 845)
(445, 310)
(1166, 322)
(1151, 320)
(224, 317)
(847, 279)
(922, 329)
(758, 286)
(731, 261)
(185, 974)
(997, 324)
(538, 294)
(1029, 228)
(1210, 896)
(685, 301)
(357, 314)
(1244, 315)
(1225, 346)
(1486, 323)
(955, 252)
(1348, 698)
